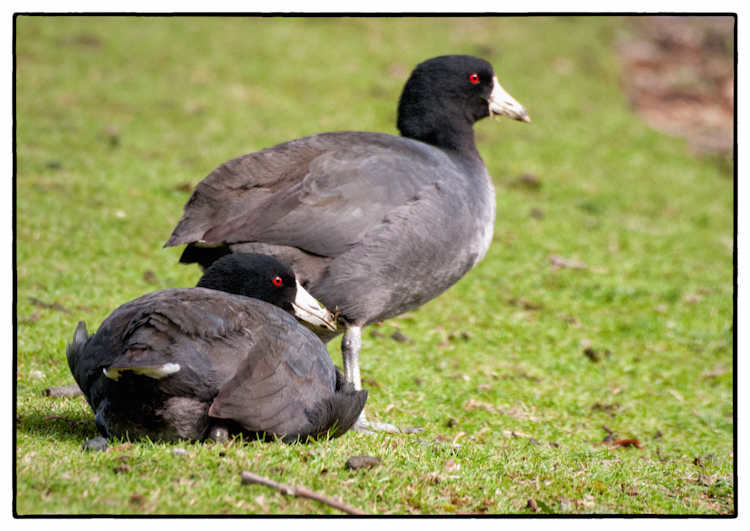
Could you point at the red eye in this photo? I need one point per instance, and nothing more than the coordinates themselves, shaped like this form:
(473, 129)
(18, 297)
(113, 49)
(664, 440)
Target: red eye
(474, 78)
(277, 281)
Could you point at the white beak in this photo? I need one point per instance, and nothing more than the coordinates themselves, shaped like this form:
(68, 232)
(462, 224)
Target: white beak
(503, 103)
(310, 310)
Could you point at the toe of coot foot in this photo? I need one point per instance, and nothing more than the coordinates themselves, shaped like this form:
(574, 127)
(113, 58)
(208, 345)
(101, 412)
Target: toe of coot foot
(97, 444)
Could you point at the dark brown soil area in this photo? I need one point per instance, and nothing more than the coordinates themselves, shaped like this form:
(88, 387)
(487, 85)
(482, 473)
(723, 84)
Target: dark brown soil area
(678, 73)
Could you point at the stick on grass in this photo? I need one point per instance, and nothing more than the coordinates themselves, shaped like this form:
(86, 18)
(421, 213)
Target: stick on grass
(298, 492)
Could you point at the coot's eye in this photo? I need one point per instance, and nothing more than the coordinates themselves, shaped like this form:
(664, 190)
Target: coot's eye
(277, 281)
(474, 78)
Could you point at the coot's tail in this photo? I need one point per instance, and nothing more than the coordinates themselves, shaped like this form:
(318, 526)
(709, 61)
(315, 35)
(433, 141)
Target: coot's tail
(204, 256)
(334, 416)
(74, 352)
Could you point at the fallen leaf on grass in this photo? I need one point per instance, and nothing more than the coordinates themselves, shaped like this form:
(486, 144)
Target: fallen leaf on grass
(575, 321)
(362, 461)
(718, 371)
(525, 304)
(122, 469)
(473, 404)
(531, 504)
(590, 353)
(451, 466)
(183, 187)
(521, 374)
(566, 504)
(511, 433)
(609, 409)
(558, 262)
(675, 394)
(624, 443)
(122, 447)
(509, 412)
(139, 500)
(451, 423)
(433, 478)
(458, 436)
(113, 135)
(528, 180)
(586, 502)
(401, 337)
(31, 318)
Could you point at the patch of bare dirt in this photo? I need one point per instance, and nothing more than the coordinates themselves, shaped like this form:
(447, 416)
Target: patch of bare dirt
(678, 73)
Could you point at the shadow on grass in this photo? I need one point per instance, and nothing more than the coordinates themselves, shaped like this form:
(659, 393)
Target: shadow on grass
(70, 423)
(62, 424)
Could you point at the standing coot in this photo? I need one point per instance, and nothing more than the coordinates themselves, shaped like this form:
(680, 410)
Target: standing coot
(204, 362)
(374, 224)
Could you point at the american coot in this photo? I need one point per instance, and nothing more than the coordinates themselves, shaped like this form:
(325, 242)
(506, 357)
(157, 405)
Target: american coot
(374, 224)
(204, 362)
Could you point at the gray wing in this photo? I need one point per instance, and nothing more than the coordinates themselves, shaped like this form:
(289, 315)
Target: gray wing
(199, 335)
(278, 384)
(346, 182)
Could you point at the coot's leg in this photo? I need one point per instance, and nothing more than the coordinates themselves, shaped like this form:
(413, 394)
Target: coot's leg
(351, 345)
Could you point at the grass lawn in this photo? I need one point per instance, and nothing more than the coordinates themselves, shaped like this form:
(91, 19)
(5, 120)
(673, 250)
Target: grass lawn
(516, 373)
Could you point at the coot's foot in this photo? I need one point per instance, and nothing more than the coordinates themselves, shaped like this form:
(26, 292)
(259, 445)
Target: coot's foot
(218, 434)
(97, 444)
(365, 426)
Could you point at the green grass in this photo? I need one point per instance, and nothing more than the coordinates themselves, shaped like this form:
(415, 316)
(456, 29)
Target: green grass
(115, 115)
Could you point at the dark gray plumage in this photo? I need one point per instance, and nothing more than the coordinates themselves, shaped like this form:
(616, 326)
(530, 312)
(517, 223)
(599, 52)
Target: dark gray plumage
(180, 363)
(374, 225)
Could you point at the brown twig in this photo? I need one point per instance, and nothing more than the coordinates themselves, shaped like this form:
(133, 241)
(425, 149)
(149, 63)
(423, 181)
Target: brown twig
(54, 306)
(71, 421)
(298, 492)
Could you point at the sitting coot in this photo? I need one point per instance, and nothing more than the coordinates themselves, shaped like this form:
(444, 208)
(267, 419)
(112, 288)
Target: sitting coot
(205, 362)
(374, 224)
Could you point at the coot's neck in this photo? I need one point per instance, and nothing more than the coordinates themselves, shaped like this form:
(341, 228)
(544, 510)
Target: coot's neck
(452, 132)
(458, 137)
